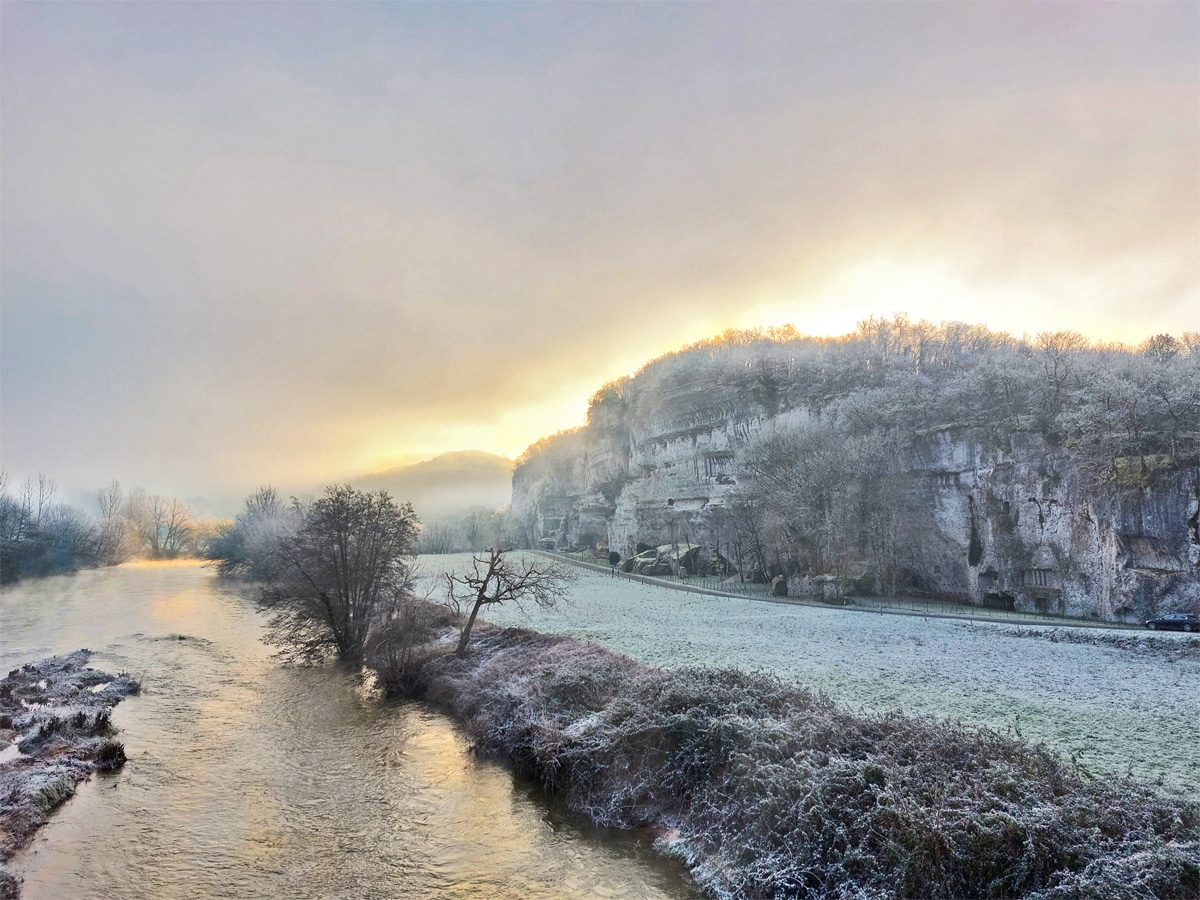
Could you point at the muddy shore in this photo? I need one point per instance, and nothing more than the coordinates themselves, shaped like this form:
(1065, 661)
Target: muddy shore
(55, 731)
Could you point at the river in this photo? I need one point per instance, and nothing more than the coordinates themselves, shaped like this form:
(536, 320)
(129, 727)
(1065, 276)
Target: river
(249, 779)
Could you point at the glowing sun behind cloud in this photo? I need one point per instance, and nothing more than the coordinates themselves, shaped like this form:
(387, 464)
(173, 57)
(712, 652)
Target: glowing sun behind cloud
(248, 242)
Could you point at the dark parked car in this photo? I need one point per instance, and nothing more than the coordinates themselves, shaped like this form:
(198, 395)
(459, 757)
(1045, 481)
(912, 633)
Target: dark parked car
(1178, 621)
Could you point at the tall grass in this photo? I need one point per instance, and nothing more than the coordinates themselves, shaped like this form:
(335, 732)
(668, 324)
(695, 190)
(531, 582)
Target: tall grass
(768, 790)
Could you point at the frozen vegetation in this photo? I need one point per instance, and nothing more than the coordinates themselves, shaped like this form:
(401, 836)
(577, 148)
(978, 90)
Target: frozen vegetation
(1118, 707)
(40, 536)
(769, 790)
(55, 731)
(1046, 474)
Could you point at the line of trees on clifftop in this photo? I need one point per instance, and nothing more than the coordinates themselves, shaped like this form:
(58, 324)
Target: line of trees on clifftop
(1112, 400)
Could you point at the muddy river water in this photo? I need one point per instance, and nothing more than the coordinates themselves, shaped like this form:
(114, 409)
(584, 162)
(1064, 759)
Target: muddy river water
(249, 779)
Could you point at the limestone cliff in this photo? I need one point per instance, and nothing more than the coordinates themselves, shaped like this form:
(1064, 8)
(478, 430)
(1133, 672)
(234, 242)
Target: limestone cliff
(1008, 513)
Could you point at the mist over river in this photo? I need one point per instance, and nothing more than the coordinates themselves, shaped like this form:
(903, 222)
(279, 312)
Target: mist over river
(249, 779)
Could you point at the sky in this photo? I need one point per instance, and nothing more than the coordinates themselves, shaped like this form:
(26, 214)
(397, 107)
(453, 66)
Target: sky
(291, 242)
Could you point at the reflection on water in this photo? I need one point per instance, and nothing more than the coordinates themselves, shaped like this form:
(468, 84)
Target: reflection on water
(246, 779)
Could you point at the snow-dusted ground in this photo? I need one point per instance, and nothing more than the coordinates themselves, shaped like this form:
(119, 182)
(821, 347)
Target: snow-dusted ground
(1116, 710)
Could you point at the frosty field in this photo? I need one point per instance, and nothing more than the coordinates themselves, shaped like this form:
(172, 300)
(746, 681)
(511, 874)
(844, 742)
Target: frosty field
(1118, 711)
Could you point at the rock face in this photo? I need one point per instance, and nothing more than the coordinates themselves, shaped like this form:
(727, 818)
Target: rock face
(1002, 518)
(1015, 523)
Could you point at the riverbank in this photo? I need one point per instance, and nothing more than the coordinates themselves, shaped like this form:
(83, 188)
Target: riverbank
(55, 731)
(768, 790)
(1115, 708)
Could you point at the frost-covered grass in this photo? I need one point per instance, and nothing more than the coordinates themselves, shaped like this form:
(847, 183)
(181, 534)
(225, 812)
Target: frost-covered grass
(1118, 712)
(768, 790)
(55, 730)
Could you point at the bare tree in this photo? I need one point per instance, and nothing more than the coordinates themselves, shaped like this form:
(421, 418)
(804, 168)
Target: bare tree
(496, 578)
(165, 526)
(140, 516)
(437, 537)
(163, 523)
(43, 490)
(1161, 348)
(113, 526)
(801, 481)
(345, 571)
(14, 515)
(1059, 351)
(177, 527)
(157, 505)
(40, 537)
(397, 647)
(109, 500)
(475, 527)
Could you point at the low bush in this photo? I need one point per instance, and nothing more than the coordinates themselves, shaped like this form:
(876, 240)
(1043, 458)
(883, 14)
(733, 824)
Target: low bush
(1174, 649)
(768, 790)
(398, 649)
(110, 755)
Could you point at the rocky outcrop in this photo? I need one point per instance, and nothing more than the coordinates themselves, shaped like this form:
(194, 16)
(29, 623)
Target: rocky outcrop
(1018, 522)
(1001, 517)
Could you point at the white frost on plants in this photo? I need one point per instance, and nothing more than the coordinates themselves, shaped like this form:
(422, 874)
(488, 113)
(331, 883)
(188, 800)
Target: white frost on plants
(1117, 711)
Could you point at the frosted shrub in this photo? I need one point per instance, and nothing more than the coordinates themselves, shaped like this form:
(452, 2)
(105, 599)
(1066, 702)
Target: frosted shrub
(399, 647)
(769, 790)
(109, 755)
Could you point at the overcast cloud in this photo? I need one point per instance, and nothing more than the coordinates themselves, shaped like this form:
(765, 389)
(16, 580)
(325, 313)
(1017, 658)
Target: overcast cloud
(251, 242)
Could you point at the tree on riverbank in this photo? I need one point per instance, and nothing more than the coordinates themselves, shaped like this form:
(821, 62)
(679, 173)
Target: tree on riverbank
(345, 570)
(39, 536)
(248, 547)
(496, 578)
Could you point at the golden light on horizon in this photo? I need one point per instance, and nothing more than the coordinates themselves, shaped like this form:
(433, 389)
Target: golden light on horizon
(498, 224)
(923, 287)
(939, 289)
(505, 431)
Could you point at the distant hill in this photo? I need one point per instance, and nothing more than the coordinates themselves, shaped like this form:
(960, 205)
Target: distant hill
(447, 485)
